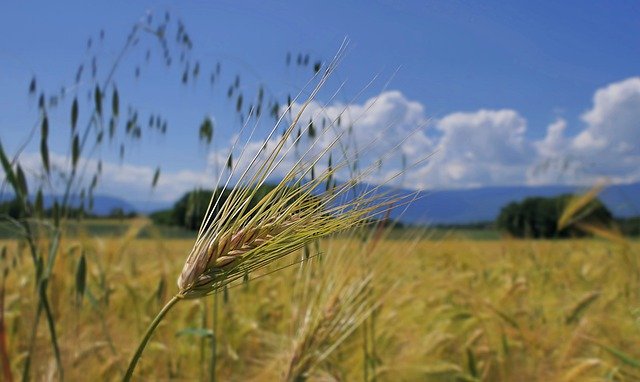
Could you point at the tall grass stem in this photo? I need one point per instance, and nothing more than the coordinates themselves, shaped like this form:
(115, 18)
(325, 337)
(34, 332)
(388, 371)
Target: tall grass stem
(214, 339)
(147, 336)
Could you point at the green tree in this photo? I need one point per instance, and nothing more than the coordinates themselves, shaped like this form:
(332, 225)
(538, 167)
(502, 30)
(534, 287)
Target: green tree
(189, 210)
(537, 217)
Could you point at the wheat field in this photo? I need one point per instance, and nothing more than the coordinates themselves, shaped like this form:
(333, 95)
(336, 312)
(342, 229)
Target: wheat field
(376, 308)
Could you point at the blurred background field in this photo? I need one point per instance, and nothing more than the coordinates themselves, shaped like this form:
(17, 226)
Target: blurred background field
(114, 228)
(451, 309)
(396, 191)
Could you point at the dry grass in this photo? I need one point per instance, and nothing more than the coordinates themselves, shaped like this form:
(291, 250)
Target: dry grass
(495, 310)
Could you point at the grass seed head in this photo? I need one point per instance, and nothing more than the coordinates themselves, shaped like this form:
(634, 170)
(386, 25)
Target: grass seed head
(236, 240)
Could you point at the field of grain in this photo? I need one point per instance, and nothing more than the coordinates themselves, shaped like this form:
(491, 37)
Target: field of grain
(385, 309)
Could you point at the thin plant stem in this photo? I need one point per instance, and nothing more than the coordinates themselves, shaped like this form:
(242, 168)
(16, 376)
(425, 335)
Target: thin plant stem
(147, 336)
(374, 360)
(4, 352)
(203, 342)
(214, 339)
(365, 350)
(43, 302)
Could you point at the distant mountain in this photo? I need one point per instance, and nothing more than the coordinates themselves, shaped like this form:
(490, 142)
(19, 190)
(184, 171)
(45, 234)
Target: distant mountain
(102, 204)
(105, 204)
(433, 207)
(484, 204)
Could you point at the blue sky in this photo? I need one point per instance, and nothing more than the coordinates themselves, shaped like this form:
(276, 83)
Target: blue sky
(506, 88)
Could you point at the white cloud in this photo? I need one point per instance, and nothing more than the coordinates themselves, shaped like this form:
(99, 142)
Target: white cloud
(379, 123)
(612, 137)
(374, 128)
(136, 180)
(478, 148)
(127, 181)
(607, 147)
(554, 142)
(474, 148)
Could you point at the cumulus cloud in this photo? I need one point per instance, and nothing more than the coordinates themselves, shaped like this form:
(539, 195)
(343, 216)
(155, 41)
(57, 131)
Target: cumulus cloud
(464, 149)
(554, 143)
(136, 180)
(471, 148)
(378, 124)
(607, 147)
(131, 182)
(478, 148)
(612, 136)
(372, 137)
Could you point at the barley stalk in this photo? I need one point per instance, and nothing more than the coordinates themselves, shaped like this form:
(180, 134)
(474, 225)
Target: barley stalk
(235, 240)
(220, 254)
(147, 336)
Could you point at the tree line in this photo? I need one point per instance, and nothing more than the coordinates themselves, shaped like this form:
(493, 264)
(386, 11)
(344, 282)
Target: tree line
(188, 212)
(534, 217)
(537, 217)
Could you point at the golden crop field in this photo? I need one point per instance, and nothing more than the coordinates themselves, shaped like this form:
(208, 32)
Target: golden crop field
(381, 309)
(313, 192)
